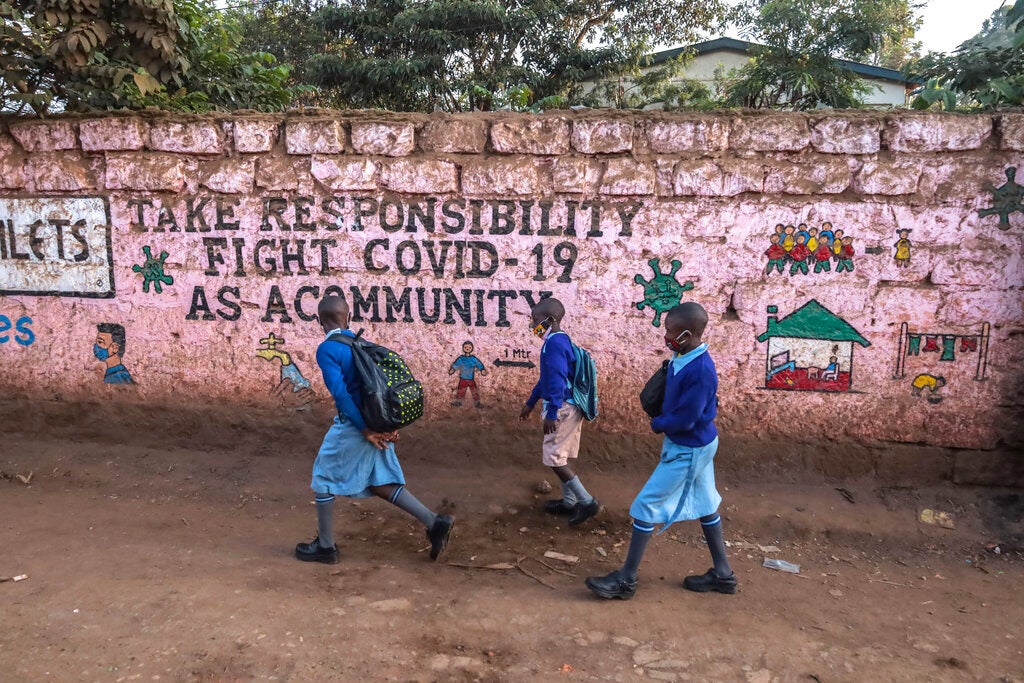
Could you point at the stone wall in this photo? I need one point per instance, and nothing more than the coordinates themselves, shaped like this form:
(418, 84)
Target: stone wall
(206, 242)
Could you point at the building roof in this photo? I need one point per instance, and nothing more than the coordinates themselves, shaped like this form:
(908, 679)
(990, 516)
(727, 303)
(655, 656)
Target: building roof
(812, 321)
(744, 47)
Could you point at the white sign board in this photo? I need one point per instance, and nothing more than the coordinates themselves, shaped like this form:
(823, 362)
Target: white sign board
(56, 246)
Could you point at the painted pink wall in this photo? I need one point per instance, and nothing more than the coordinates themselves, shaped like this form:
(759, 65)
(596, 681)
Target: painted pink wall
(706, 190)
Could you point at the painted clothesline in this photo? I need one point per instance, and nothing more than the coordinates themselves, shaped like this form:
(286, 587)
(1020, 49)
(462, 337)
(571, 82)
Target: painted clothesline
(910, 345)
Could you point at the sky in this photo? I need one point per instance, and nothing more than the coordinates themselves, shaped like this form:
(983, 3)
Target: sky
(947, 23)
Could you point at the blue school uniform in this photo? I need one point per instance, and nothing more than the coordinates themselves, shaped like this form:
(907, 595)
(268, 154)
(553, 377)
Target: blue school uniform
(557, 367)
(682, 486)
(348, 464)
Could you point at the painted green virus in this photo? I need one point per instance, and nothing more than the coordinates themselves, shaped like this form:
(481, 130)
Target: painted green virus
(663, 291)
(152, 270)
(1006, 199)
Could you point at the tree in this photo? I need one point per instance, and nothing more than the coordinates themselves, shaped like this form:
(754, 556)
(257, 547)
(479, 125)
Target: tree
(461, 55)
(78, 55)
(797, 67)
(985, 72)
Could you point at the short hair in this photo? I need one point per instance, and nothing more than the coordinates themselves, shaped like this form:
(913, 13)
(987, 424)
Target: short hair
(549, 307)
(116, 333)
(694, 315)
(468, 342)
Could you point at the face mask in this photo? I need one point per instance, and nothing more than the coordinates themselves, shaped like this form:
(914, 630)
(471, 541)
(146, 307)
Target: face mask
(100, 352)
(543, 328)
(676, 345)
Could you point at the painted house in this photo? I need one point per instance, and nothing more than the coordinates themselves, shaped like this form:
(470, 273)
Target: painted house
(811, 349)
(890, 88)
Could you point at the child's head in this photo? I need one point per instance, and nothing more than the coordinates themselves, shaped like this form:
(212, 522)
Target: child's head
(546, 315)
(684, 326)
(826, 226)
(813, 231)
(839, 233)
(800, 239)
(779, 228)
(903, 233)
(467, 348)
(803, 227)
(774, 239)
(847, 240)
(940, 382)
(790, 229)
(333, 312)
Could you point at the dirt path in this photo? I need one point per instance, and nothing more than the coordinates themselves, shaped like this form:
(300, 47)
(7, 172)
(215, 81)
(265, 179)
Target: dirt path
(173, 562)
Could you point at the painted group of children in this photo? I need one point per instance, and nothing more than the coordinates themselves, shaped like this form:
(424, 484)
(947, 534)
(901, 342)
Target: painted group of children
(355, 461)
(802, 247)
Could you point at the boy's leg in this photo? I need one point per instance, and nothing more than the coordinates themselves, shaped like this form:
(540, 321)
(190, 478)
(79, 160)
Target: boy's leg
(721, 577)
(559, 447)
(322, 548)
(439, 527)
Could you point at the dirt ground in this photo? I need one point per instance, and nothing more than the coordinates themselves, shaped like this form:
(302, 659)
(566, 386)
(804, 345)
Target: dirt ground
(158, 546)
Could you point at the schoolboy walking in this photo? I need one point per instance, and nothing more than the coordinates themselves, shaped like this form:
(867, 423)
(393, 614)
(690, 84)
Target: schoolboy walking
(355, 461)
(682, 486)
(563, 420)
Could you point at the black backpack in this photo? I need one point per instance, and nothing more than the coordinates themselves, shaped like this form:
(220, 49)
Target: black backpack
(392, 397)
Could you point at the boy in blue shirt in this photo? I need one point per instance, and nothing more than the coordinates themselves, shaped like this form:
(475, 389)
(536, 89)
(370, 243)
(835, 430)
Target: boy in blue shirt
(355, 461)
(563, 420)
(682, 486)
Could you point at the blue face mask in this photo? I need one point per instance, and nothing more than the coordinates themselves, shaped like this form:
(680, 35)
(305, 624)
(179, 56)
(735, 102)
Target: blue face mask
(100, 352)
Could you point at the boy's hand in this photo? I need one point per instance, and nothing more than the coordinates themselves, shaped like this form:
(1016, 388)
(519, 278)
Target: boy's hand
(380, 441)
(550, 426)
(525, 413)
(391, 436)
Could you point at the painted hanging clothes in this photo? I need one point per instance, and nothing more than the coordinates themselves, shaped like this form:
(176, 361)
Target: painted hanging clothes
(931, 343)
(968, 344)
(948, 348)
(914, 345)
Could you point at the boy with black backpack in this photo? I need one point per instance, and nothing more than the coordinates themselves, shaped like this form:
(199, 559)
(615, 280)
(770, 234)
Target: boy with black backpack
(568, 386)
(357, 460)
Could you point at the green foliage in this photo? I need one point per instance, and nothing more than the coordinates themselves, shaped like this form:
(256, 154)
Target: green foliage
(797, 69)
(985, 72)
(459, 55)
(80, 55)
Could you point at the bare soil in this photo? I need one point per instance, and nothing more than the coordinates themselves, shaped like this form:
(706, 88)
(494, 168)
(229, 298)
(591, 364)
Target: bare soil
(158, 546)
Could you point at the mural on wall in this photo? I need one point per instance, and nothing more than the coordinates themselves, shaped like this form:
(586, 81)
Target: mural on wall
(811, 349)
(292, 388)
(109, 348)
(930, 383)
(802, 248)
(18, 331)
(152, 271)
(940, 347)
(467, 365)
(56, 246)
(902, 247)
(663, 291)
(1007, 199)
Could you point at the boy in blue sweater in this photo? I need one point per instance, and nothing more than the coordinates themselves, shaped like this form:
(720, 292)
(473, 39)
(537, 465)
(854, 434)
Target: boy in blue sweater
(683, 484)
(355, 461)
(563, 420)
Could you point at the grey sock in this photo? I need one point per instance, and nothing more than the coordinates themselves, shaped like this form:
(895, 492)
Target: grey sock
(712, 526)
(568, 497)
(325, 519)
(576, 486)
(406, 501)
(642, 532)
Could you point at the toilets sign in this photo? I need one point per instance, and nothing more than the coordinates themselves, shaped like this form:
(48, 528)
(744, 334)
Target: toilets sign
(52, 246)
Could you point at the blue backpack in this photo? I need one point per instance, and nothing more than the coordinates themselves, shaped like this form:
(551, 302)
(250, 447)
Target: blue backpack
(584, 383)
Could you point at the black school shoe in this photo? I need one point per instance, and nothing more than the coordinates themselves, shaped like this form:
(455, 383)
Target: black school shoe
(314, 552)
(558, 506)
(584, 511)
(706, 583)
(439, 533)
(612, 586)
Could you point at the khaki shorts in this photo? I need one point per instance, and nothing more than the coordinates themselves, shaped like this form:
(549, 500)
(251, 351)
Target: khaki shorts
(564, 442)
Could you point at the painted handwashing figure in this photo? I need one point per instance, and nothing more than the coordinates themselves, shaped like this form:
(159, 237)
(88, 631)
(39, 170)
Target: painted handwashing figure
(108, 349)
(931, 383)
(291, 377)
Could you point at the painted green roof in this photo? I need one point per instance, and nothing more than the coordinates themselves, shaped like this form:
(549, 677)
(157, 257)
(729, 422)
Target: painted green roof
(813, 321)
